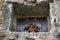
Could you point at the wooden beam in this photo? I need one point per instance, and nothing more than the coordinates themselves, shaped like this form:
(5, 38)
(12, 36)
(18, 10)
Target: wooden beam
(30, 16)
(48, 24)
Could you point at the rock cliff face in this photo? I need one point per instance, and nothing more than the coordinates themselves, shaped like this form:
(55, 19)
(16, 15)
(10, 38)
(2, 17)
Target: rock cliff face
(54, 34)
(2, 11)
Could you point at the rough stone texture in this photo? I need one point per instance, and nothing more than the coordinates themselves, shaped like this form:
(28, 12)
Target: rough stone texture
(52, 18)
(21, 1)
(55, 26)
(7, 16)
(28, 36)
(2, 11)
(27, 2)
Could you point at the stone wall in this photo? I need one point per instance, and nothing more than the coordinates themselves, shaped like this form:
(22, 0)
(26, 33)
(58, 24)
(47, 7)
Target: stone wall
(55, 25)
(56, 20)
(19, 36)
(57, 14)
(2, 11)
(28, 36)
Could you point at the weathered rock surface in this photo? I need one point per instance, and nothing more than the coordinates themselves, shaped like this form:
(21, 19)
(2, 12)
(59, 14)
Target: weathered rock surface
(55, 26)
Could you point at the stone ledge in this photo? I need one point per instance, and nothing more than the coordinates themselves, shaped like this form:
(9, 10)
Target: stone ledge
(13, 35)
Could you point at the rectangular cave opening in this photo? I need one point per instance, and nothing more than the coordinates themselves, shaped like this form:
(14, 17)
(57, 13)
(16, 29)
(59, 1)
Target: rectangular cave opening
(30, 18)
